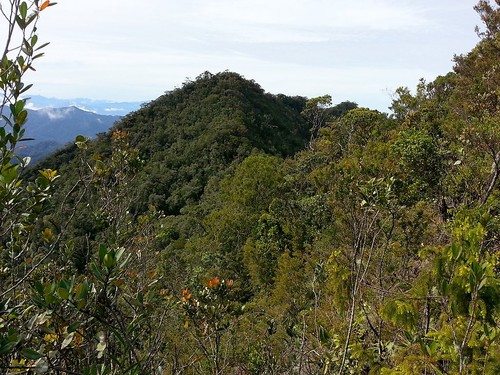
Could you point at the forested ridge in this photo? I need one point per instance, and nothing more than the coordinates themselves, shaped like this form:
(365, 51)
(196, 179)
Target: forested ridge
(221, 229)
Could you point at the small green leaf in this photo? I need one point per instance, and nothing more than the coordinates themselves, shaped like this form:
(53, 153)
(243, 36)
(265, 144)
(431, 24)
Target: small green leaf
(25, 88)
(42, 46)
(31, 354)
(8, 173)
(7, 347)
(102, 251)
(21, 118)
(482, 284)
(37, 56)
(19, 106)
(38, 301)
(31, 18)
(109, 260)
(82, 290)
(81, 142)
(99, 165)
(63, 293)
(119, 253)
(23, 10)
(73, 327)
(96, 271)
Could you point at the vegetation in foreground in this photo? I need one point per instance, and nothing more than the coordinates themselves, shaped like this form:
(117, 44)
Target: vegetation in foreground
(223, 230)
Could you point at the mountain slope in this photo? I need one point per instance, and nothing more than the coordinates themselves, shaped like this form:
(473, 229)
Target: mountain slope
(52, 128)
(195, 132)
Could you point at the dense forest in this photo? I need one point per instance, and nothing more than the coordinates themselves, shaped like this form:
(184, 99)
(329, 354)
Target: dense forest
(221, 229)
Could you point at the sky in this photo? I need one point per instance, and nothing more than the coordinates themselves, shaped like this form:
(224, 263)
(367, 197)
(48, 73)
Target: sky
(357, 50)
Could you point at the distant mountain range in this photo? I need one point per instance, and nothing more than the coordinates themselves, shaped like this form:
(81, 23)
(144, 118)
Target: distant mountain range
(53, 123)
(52, 128)
(102, 107)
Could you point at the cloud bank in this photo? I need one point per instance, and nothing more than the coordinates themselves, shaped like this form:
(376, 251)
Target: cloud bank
(355, 50)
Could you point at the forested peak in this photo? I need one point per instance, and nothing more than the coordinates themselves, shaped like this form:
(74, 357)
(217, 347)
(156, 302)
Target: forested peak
(196, 131)
(224, 83)
(222, 80)
(215, 95)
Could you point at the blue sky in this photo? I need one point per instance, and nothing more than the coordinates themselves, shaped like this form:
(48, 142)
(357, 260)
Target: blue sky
(362, 50)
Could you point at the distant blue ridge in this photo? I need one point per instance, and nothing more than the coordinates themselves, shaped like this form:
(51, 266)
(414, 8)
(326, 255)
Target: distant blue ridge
(50, 129)
(102, 107)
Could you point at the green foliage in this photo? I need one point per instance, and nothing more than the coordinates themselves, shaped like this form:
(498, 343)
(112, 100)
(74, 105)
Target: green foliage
(210, 315)
(463, 314)
(200, 236)
(20, 205)
(315, 111)
(260, 255)
(421, 163)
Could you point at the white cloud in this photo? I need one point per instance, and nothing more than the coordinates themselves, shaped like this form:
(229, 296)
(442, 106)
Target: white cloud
(130, 50)
(366, 14)
(83, 108)
(31, 106)
(56, 113)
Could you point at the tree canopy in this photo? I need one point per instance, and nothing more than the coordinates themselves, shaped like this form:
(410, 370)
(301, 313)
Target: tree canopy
(224, 230)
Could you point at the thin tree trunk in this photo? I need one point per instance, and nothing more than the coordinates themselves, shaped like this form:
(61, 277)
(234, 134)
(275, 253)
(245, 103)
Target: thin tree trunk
(492, 179)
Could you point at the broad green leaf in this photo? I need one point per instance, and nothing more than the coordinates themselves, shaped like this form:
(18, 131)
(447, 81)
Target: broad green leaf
(31, 354)
(482, 283)
(23, 9)
(73, 327)
(63, 293)
(7, 347)
(81, 293)
(21, 118)
(19, 105)
(102, 251)
(109, 259)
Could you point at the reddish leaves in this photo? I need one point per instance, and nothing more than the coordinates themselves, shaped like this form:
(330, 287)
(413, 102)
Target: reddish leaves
(44, 5)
